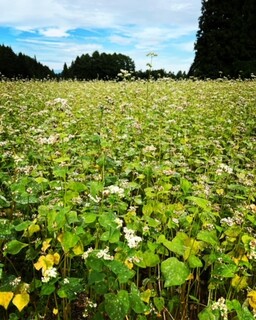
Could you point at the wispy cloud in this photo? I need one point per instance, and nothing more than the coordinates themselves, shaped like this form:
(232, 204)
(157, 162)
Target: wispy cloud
(62, 29)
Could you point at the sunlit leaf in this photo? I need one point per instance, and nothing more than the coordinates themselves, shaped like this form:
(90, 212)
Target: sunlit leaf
(46, 244)
(175, 272)
(252, 298)
(21, 300)
(5, 299)
(15, 246)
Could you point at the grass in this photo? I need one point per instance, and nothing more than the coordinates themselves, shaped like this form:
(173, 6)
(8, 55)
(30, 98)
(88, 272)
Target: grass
(127, 200)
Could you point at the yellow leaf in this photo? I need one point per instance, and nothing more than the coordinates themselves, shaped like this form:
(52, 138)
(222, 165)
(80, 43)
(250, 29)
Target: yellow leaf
(32, 229)
(146, 295)
(5, 299)
(56, 258)
(55, 311)
(44, 262)
(192, 247)
(46, 244)
(240, 259)
(252, 298)
(239, 283)
(190, 277)
(220, 192)
(21, 300)
(78, 249)
(60, 238)
(128, 263)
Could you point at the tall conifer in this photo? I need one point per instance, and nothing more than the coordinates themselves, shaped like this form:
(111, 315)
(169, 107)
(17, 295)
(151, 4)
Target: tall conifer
(226, 39)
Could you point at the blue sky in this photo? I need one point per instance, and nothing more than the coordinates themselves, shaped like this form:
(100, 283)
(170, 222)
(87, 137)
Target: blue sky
(57, 31)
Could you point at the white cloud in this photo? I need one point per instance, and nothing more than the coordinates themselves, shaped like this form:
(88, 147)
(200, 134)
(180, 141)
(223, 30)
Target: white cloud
(53, 32)
(120, 40)
(135, 27)
(112, 13)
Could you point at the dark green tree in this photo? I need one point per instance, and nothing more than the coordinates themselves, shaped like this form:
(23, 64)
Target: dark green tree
(102, 66)
(21, 66)
(226, 40)
(8, 62)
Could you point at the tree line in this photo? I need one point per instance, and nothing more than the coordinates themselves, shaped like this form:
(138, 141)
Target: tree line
(105, 66)
(101, 66)
(21, 66)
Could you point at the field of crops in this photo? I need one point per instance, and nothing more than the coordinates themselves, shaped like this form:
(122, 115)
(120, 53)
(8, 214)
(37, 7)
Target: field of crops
(128, 200)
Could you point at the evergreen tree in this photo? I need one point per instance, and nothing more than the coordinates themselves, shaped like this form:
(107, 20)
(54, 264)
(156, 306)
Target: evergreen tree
(100, 66)
(21, 66)
(226, 40)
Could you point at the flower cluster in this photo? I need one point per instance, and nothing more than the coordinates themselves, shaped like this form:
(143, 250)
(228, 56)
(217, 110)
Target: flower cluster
(104, 254)
(48, 274)
(119, 222)
(114, 190)
(149, 149)
(252, 245)
(86, 253)
(131, 238)
(89, 305)
(223, 168)
(221, 306)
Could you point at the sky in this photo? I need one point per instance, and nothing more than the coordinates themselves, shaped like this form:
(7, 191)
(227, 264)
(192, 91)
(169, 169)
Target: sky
(57, 31)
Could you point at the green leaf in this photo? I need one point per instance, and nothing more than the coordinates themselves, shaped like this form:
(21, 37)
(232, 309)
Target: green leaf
(68, 240)
(71, 217)
(209, 237)
(159, 303)
(95, 276)
(70, 287)
(122, 271)
(4, 203)
(107, 220)
(185, 185)
(89, 217)
(151, 259)
(112, 236)
(22, 226)
(117, 306)
(194, 262)
(174, 271)
(200, 202)
(137, 304)
(224, 270)
(177, 245)
(47, 289)
(15, 246)
(242, 312)
(76, 186)
(206, 314)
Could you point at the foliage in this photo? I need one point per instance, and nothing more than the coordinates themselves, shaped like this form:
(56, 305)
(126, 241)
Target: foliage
(127, 200)
(98, 66)
(225, 43)
(21, 66)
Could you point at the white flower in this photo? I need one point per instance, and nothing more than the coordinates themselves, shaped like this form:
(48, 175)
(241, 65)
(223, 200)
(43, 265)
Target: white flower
(224, 168)
(221, 306)
(86, 253)
(131, 238)
(116, 190)
(94, 199)
(229, 221)
(119, 222)
(48, 274)
(104, 254)
(16, 282)
(149, 149)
